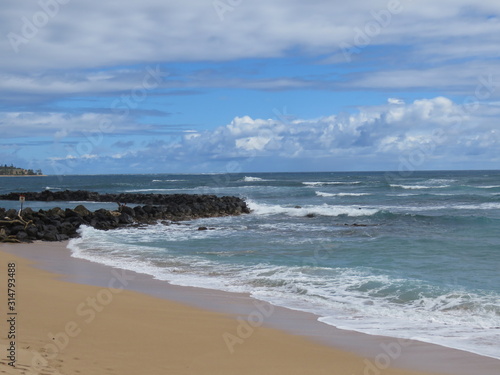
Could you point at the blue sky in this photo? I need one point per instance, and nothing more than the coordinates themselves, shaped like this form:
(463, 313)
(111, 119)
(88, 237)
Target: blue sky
(203, 86)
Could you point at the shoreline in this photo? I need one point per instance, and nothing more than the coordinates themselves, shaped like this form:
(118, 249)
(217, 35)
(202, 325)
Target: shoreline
(417, 356)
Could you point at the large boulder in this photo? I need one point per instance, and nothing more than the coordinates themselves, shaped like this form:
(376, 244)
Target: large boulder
(125, 218)
(81, 210)
(22, 236)
(50, 234)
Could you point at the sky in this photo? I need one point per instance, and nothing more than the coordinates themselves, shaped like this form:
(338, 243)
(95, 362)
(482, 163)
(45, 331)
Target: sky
(225, 86)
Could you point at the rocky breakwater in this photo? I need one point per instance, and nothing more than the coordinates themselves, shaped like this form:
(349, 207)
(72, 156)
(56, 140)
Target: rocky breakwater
(57, 224)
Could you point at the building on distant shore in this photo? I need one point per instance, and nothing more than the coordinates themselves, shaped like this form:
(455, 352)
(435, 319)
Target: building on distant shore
(14, 171)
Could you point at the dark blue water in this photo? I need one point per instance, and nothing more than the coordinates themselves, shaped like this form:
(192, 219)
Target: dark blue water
(413, 256)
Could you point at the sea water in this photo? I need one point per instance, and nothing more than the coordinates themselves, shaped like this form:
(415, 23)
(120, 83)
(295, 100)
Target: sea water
(413, 255)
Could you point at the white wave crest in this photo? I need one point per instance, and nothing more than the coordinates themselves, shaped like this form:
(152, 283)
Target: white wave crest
(323, 210)
(324, 183)
(440, 181)
(253, 179)
(149, 190)
(322, 194)
(416, 187)
(168, 180)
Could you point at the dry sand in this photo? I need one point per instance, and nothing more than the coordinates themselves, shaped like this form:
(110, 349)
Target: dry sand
(67, 328)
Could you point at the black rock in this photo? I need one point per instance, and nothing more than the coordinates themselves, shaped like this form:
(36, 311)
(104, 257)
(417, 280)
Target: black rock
(12, 214)
(81, 210)
(57, 212)
(138, 211)
(58, 225)
(127, 210)
(32, 230)
(71, 213)
(66, 228)
(125, 218)
(16, 229)
(199, 205)
(28, 213)
(22, 236)
(51, 236)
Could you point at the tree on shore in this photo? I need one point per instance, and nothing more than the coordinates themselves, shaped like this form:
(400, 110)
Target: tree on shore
(6, 170)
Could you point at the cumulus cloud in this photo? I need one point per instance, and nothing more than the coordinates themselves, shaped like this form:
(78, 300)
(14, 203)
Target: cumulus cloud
(373, 129)
(436, 128)
(425, 132)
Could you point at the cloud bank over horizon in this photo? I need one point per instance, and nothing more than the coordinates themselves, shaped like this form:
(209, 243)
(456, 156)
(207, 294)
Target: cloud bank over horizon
(417, 135)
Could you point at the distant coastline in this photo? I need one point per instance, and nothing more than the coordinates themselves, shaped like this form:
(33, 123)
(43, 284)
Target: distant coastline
(12, 171)
(23, 175)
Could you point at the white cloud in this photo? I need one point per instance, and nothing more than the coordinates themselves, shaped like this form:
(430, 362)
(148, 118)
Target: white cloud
(89, 156)
(59, 125)
(395, 101)
(95, 33)
(67, 157)
(83, 48)
(252, 143)
(429, 132)
(438, 127)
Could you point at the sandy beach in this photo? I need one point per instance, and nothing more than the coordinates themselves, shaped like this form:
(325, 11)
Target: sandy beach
(64, 327)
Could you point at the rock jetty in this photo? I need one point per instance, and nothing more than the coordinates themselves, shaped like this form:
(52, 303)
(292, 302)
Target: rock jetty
(57, 224)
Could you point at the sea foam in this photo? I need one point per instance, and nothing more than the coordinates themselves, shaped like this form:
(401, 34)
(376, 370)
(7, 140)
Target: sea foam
(323, 210)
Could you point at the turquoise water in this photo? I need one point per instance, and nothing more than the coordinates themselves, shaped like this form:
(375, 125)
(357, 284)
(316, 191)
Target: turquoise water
(414, 256)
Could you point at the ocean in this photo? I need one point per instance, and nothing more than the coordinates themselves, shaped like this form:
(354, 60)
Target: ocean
(411, 255)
